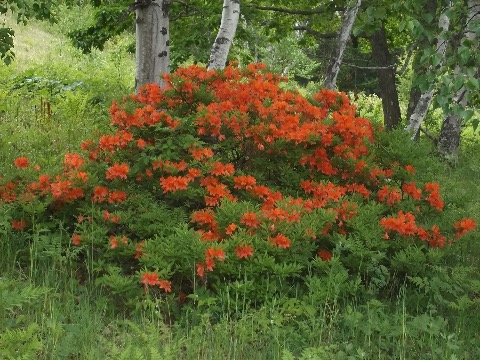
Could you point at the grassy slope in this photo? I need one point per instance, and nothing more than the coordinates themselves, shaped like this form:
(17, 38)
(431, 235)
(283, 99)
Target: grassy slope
(71, 321)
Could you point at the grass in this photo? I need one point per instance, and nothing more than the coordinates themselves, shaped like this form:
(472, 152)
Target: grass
(48, 312)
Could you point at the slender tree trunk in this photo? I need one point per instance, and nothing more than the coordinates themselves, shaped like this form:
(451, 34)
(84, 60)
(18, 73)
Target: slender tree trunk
(228, 27)
(450, 133)
(421, 108)
(152, 43)
(342, 38)
(386, 79)
(449, 138)
(415, 93)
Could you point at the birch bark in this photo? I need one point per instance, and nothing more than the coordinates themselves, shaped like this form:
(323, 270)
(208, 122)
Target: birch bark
(342, 38)
(152, 43)
(450, 132)
(223, 41)
(421, 109)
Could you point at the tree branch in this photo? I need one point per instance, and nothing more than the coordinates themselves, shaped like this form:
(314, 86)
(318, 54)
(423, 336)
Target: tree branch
(317, 10)
(369, 67)
(407, 61)
(429, 134)
(316, 33)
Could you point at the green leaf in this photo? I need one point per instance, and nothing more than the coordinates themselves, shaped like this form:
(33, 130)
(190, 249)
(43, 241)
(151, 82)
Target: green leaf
(475, 123)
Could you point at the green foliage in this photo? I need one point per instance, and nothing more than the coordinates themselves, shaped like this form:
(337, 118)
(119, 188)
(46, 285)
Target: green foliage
(24, 10)
(375, 299)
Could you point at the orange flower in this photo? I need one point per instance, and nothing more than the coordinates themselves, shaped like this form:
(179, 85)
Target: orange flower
(244, 251)
(141, 144)
(325, 255)
(463, 226)
(150, 278)
(230, 229)
(411, 190)
(280, 241)
(250, 219)
(117, 171)
(404, 224)
(244, 182)
(201, 153)
(200, 269)
(139, 250)
(19, 225)
(99, 194)
(117, 196)
(219, 169)
(410, 169)
(165, 285)
(21, 162)
(73, 161)
(113, 242)
(76, 239)
(174, 183)
(214, 253)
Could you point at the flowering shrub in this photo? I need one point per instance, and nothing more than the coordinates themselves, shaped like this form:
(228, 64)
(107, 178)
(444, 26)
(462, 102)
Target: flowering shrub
(225, 178)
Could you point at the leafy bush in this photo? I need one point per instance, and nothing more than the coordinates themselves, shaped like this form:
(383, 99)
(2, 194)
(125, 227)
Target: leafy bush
(224, 187)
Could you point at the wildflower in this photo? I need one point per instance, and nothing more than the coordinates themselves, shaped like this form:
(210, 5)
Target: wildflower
(21, 162)
(244, 182)
(165, 285)
(117, 171)
(150, 278)
(244, 251)
(463, 226)
(280, 241)
(250, 219)
(113, 242)
(141, 144)
(325, 255)
(117, 196)
(76, 239)
(73, 161)
(19, 225)
(174, 183)
(99, 194)
(230, 229)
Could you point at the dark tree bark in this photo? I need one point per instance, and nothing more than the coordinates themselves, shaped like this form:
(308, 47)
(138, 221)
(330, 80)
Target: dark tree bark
(386, 79)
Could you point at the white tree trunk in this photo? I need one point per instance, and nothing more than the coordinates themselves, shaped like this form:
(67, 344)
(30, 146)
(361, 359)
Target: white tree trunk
(342, 38)
(152, 43)
(450, 133)
(228, 27)
(423, 104)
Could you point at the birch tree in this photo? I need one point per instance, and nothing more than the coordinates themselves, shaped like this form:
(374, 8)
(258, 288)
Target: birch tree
(449, 137)
(342, 38)
(421, 108)
(152, 43)
(224, 39)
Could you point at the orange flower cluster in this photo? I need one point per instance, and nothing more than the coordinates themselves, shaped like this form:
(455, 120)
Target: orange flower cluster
(391, 197)
(244, 251)
(211, 254)
(151, 279)
(463, 226)
(117, 171)
(206, 138)
(21, 162)
(434, 196)
(404, 224)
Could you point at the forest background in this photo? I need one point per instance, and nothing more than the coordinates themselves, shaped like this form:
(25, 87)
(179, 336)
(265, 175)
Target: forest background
(411, 302)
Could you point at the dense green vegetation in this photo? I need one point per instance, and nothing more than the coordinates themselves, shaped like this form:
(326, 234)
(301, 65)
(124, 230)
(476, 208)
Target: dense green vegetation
(53, 306)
